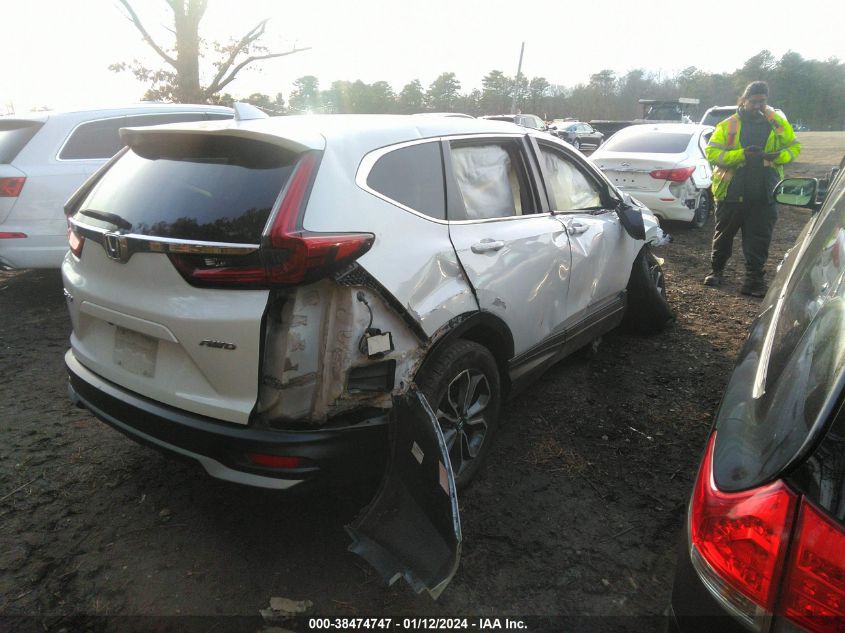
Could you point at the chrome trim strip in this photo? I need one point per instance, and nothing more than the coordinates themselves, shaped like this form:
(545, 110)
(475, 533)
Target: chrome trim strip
(146, 244)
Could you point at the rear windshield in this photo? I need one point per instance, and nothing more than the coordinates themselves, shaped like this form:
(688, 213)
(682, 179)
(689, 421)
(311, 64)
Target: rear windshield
(716, 116)
(800, 376)
(14, 135)
(650, 143)
(193, 187)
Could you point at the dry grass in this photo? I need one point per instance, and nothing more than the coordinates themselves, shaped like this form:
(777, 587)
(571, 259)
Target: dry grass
(822, 149)
(548, 452)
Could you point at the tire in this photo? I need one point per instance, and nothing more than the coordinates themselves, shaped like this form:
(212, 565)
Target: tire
(577, 144)
(702, 210)
(468, 424)
(648, 312)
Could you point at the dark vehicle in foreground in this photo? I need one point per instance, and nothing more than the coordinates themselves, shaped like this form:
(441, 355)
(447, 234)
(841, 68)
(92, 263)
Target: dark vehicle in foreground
(764, 545)
(579, 135)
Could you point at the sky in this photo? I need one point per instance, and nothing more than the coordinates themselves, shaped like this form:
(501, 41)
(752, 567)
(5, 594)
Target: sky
(56, 53)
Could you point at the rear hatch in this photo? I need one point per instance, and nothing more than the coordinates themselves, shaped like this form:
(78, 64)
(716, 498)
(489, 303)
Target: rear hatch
(166, 286)
(14, 135)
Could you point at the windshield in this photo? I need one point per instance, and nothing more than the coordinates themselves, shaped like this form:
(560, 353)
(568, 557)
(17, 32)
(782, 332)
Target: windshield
(215, 189)
(649, 142)
(789, 372)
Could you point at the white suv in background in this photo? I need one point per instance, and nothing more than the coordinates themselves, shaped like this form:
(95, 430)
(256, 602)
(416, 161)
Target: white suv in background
(45, 156)
(258, 294)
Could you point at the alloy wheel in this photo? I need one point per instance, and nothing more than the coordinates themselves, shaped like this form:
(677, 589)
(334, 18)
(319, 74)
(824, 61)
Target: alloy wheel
(462, 417)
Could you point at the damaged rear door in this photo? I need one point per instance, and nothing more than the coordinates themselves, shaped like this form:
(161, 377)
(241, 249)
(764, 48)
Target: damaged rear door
(412, 529)
(515, 254)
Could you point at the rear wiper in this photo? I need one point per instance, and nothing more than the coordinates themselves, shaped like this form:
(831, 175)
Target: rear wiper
(108, 217)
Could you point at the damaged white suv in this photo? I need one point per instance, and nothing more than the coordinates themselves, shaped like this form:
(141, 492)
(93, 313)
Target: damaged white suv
(256, 294)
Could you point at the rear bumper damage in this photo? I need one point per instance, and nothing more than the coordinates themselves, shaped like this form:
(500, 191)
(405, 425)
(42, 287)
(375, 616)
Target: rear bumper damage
(333, 453)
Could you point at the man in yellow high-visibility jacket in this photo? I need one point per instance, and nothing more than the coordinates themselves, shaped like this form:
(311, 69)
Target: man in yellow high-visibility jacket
(748, 151)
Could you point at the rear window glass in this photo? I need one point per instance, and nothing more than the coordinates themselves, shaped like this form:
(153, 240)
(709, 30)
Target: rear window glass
(413, 177)
(14, 135)
(758, 436)
(192, 187)
(650, 143)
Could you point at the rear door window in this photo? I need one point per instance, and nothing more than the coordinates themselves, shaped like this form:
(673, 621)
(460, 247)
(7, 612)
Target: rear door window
(492, 180)
(192, 187)
(14, 135)
(413, 177)
(101, 139)
(93, 140)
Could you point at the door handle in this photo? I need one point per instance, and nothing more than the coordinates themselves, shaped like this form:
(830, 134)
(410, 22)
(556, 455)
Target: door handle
(486, 246)
(576, 228)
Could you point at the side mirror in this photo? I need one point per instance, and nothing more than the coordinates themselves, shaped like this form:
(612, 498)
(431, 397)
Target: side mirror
(797, 192)
(631, 220)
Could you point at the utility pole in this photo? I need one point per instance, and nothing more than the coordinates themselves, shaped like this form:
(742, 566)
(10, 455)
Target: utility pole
(518, 75)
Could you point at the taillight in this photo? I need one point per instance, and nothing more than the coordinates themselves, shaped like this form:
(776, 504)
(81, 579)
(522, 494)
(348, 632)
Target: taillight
(288, 255)
(11, 187)
(741, 537)
(75, 241)
(675, 175)
(814, 591)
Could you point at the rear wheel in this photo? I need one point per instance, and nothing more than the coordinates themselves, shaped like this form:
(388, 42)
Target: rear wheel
(462, 386)
(648, 312)
(576, 144)
(702, 209)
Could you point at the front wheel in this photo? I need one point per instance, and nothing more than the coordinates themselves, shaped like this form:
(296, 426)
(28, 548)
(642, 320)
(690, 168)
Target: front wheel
(648, 312)
(462, 386)
(702, 210)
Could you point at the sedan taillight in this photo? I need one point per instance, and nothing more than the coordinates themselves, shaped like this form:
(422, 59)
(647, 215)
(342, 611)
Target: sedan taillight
(678, 174)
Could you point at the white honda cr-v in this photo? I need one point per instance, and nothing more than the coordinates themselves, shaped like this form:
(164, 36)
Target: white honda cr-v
(257, 294)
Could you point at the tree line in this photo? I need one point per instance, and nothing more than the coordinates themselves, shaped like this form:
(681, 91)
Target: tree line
(809, 91)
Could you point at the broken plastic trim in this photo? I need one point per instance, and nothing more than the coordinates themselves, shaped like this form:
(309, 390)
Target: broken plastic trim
(412, 528)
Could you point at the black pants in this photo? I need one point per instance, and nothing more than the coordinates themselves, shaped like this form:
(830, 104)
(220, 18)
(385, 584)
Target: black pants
(756, 220)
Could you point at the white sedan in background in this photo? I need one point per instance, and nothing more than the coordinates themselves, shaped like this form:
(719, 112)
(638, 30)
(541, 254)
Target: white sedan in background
(664, 167)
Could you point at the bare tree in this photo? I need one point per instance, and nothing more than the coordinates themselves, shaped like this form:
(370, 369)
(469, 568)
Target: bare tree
(179, 80)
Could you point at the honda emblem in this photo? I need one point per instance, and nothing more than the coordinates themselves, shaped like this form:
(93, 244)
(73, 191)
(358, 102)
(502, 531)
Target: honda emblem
(117, 247)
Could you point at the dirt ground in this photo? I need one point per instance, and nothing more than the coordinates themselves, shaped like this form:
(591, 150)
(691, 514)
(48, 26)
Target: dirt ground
(577, 513)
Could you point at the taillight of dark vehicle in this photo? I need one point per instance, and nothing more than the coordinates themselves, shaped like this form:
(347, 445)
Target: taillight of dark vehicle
(739, 543)
(814, 592)
(288, 254)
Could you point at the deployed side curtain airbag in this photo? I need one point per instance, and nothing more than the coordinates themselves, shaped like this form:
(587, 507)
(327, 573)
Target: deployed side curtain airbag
(486, 179)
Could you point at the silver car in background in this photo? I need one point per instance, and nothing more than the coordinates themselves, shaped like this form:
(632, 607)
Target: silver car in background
(46, 156)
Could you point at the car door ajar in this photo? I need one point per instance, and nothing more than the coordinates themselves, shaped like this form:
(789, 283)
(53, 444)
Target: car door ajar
(515, 253)
(600, 247)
